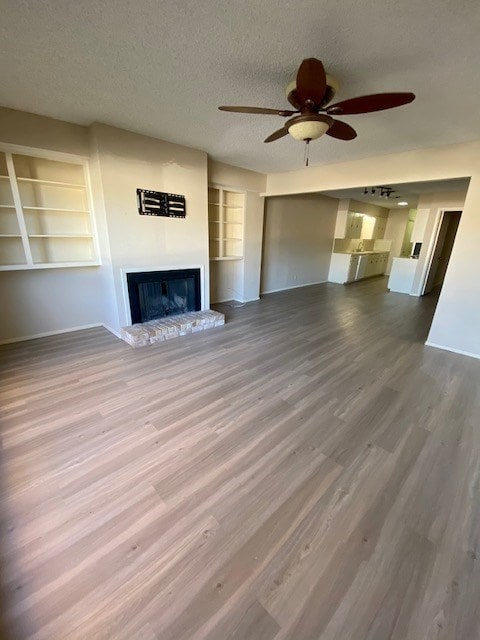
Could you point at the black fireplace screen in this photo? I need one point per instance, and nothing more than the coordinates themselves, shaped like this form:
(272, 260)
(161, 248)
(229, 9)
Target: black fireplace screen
(156, 294)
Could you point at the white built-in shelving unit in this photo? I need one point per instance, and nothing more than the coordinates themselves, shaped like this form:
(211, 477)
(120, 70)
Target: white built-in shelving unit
(46, 217)
(226, 213)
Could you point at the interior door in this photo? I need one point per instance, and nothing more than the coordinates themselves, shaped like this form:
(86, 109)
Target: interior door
(443, 250)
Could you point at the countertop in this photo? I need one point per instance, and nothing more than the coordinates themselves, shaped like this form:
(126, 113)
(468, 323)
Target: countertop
(361, 253)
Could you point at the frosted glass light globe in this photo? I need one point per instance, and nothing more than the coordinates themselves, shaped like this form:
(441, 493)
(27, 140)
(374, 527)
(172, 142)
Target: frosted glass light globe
(308, 130)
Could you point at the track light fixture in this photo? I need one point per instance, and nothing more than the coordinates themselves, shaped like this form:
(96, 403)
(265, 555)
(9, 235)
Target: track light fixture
(385, 192)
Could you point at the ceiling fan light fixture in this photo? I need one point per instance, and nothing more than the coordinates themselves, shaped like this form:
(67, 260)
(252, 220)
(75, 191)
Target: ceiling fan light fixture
(306, 128)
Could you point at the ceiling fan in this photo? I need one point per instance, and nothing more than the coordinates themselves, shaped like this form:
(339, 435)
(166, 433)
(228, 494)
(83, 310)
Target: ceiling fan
(310, 94)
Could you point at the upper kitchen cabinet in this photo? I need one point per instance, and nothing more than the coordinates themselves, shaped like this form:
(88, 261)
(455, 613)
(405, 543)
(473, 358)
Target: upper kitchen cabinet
(379, 228)
(354, 225)
(360, 220)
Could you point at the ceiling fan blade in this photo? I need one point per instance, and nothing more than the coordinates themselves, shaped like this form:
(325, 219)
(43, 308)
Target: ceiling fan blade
(311, 81)
(367, 104)
(277, 134)
(275, 112)
(342, 131)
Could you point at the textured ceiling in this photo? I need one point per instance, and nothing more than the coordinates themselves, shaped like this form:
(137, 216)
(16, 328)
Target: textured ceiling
(162, 68)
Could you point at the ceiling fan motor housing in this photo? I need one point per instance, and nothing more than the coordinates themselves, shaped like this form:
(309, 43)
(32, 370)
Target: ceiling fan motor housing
(332, 87)
(308, 126)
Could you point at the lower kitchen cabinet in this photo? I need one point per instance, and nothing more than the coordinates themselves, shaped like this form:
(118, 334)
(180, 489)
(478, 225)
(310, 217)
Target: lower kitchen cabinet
(347, 267)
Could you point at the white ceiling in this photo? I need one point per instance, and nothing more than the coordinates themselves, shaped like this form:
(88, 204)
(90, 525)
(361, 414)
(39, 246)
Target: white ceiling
(162, 68)
(409, 192)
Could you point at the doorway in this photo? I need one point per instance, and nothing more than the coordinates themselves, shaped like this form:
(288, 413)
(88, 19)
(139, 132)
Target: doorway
(442, 251)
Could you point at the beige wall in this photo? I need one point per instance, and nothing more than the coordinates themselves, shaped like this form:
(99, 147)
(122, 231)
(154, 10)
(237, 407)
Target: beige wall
(395, 231)
(457, 317)
(127, 161)
(30, 130)
(298, 240)
(51, 300)
(368, 209)
(240, 280)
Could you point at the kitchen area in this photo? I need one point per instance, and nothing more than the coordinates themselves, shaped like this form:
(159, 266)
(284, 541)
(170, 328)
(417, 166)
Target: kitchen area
(360, 248)
(405, 232)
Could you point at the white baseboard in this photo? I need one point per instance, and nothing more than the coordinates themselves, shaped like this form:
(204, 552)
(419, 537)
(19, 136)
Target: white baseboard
(115, 333)
(295, 286)
(225, 300)
(459, 351)
(235, 300)
(46, 334)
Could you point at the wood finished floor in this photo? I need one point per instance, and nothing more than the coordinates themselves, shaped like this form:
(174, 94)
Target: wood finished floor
(309, 471)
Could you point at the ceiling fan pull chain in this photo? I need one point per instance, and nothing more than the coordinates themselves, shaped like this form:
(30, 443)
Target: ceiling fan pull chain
(307, 151)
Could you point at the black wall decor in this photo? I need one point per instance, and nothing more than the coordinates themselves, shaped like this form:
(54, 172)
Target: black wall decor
(157, 203)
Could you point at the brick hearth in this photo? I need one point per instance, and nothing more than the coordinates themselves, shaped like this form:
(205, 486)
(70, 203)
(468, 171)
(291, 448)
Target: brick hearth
(139, 335)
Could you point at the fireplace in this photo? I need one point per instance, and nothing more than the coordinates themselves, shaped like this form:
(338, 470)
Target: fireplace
(158, 294)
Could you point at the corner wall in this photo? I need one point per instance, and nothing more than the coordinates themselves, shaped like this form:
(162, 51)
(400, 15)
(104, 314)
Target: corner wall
(298, 239)
(240, 279)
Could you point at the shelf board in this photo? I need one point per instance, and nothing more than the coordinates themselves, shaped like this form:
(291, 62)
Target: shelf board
(60, 235)
(229, 239)
(4, 177)
(49, 265)
(227, 258)
(224, 222)
(52, 183)
(7, 206)
(216, 204)
(55, 209)
(10, 235)
(232, 206)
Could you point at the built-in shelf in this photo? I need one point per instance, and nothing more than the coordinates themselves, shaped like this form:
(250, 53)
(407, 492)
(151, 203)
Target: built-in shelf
(226, 207)
(45, 212)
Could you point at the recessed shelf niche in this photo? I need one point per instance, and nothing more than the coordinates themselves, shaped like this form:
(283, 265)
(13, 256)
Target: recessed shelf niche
(226, 211)
(45, 213)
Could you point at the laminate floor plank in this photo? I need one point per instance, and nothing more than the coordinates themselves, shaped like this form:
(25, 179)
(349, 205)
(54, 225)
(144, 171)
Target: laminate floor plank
(309, 471)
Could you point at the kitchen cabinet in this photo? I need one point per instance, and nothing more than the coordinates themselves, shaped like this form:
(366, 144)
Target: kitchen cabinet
(349, 267)
(373, 264)
(340, 267)
(352, 268)
(368, 226)
(379, 228)
(354, 225)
